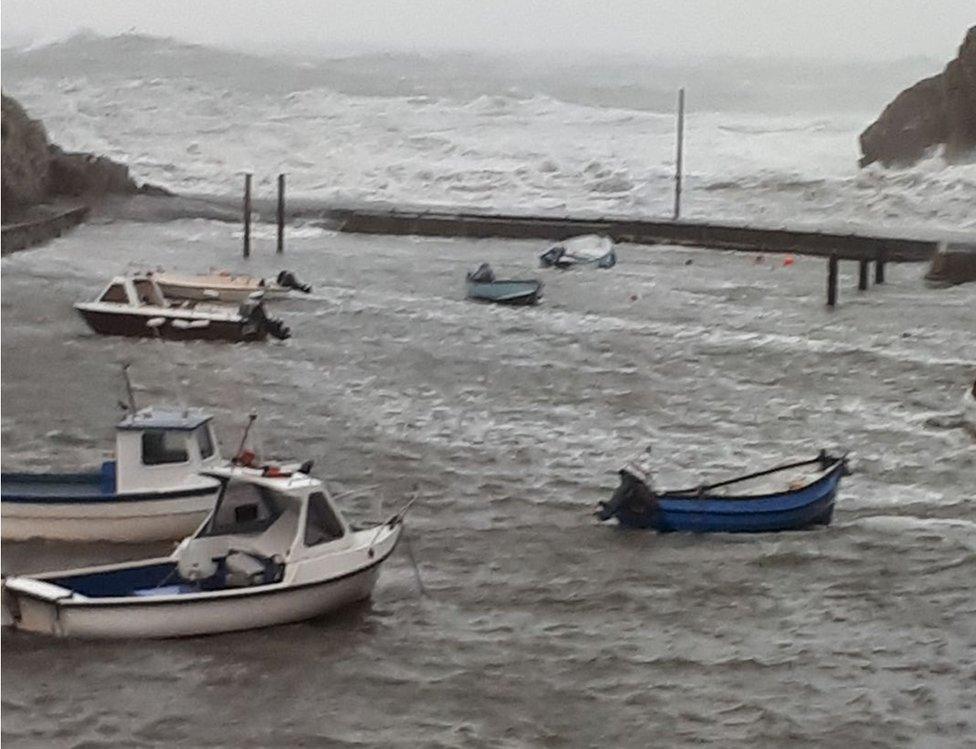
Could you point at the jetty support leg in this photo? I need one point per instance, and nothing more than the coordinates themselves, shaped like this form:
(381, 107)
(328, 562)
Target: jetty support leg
(832, 280)
(281, 214)
(247, 215)
(879, 267)
(862, 275)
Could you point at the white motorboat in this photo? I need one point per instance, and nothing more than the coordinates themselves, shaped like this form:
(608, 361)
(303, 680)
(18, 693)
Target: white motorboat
(275, 549)
(227, 287)
(590, 250)
(152, 491)
(127, 304)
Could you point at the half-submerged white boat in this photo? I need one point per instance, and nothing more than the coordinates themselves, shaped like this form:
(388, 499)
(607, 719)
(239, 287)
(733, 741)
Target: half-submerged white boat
(227, 287)
(275, 549)
(587, 250)
(152, 491)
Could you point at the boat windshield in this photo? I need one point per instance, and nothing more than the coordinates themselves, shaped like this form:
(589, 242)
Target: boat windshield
(245, 508)
(204, 441)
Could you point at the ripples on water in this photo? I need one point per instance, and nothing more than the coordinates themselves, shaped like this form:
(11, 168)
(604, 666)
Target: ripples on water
(543, 628)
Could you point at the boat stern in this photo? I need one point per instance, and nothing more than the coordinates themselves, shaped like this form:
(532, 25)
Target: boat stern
(33, 605)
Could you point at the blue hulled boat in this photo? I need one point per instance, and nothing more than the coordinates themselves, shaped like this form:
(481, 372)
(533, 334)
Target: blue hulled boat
(788, 497)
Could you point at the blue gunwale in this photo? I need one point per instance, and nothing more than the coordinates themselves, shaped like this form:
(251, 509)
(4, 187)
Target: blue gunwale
(80, 488)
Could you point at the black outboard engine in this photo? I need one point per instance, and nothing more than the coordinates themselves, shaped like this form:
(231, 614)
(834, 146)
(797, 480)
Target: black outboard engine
(289, 280)
(253, 311)
(484, 274)
(553, 258)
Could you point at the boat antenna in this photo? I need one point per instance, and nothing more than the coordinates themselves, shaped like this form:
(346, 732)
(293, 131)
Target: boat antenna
(128, 389)
(247, 428)
(156, 323)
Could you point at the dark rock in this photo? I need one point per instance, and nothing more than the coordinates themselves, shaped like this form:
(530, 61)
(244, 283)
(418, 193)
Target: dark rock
(954, 263)
(80, 175)
(940, 110)
(35, 171)
(24, 158)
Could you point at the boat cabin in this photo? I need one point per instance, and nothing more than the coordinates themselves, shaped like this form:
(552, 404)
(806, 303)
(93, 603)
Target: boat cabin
(134, 291)
(157, 448)
(259, 525)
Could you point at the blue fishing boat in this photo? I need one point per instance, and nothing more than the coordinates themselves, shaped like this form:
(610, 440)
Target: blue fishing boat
(483, 286)
(788, 497)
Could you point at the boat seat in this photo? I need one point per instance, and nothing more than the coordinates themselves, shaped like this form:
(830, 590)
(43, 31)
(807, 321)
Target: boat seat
(243, 569)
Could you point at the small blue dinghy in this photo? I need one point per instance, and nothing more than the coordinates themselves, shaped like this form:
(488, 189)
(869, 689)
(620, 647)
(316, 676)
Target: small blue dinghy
(788, 497)
(484, 287)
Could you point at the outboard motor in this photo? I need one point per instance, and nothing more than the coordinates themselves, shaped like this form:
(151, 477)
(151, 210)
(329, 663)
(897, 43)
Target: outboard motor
(253, 311)
(607, 261)
(552, 258)
(289, 280)
(484, 274)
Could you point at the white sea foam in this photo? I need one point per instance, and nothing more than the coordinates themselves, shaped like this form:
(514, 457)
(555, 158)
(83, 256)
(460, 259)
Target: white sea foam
(187, 119)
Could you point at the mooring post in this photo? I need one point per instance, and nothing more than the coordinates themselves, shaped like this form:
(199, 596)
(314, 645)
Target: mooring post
(832, 280)
(680, 155)
(862, 275)
(879, 265)
(281, 214)
(247, 215)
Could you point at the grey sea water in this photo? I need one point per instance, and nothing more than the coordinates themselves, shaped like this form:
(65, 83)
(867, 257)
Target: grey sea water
(541, 627)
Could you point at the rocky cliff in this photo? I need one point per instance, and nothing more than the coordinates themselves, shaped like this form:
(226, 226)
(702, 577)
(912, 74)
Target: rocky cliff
(940, 110)
(24, 161)
(35, 171)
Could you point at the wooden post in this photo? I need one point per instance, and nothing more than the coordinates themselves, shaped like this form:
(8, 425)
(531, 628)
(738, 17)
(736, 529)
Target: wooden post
(862, 275)
(832, 280)
(879, 265)
(247, 215)
(679, 160)
(281, 214)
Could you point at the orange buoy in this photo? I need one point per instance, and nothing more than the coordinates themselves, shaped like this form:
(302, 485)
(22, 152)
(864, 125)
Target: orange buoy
(788, 260)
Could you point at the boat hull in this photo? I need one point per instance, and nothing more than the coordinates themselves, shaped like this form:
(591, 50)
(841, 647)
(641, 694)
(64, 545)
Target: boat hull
(161, 619)
(517, 293)
(793, 510)
(158, 516)
(133, 325)
(39, 605)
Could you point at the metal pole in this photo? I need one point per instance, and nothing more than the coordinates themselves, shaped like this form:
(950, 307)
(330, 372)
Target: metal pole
(281, 214)
(680, 156)
(247, 215)
(832, 280)
(879, 267)
(862, 275)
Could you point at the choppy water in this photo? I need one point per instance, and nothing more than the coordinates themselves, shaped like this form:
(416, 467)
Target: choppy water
(542, 628)
(771, 142)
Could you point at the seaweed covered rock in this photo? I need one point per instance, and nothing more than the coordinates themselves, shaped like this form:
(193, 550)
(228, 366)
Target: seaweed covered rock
(35, 171)
(25, 158)
(940, 110)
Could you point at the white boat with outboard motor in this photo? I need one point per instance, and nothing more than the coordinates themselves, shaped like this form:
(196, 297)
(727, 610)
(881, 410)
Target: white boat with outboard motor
(128, 304)
(153, 490)
(275, 549)
(223, 286)
(590, 250)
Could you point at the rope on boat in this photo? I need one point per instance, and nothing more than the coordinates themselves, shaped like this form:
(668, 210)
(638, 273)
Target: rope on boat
(822, 458)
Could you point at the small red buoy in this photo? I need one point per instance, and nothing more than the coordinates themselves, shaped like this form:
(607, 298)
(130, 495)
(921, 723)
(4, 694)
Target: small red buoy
(788, 260)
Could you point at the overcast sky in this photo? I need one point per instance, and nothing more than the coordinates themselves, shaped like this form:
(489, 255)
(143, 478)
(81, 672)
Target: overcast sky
(837, 29)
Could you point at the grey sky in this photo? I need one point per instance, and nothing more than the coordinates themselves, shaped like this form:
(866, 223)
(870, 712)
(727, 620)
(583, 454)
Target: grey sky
(838, 29)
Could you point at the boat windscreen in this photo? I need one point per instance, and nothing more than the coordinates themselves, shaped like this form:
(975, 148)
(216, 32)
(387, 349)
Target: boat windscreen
(245, 508)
